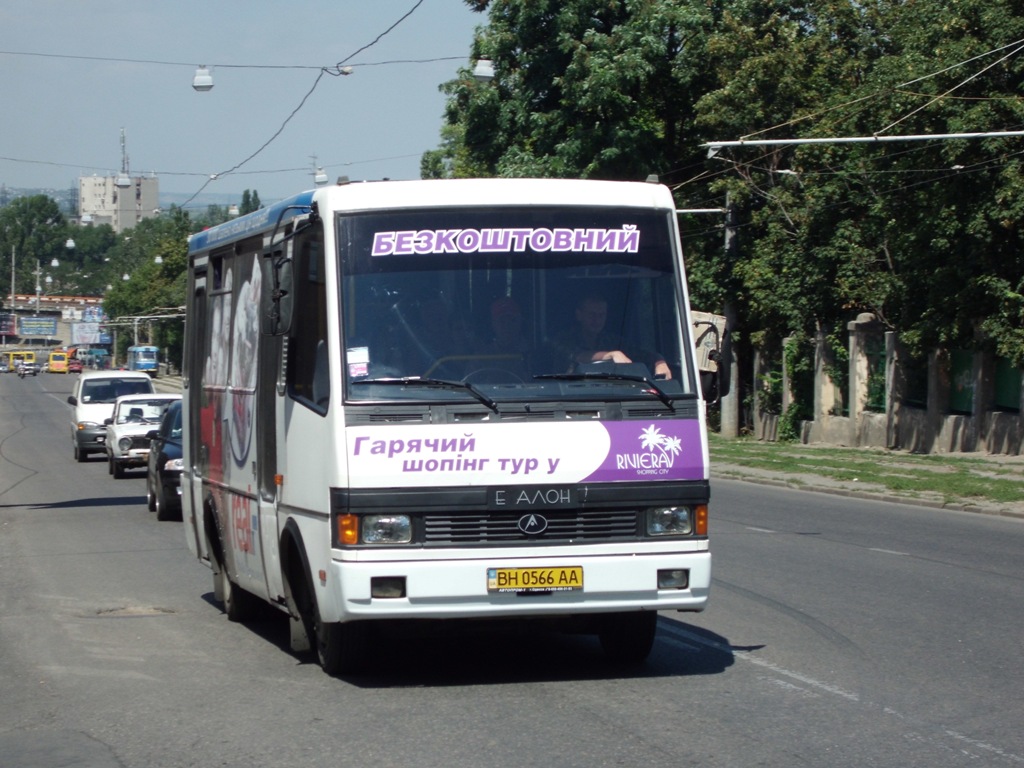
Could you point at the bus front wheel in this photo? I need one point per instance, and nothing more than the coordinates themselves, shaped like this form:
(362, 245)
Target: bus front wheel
(341, 648)
(627, 638)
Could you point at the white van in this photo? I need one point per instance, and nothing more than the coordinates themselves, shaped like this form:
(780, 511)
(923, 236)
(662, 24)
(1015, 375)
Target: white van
(92, 401)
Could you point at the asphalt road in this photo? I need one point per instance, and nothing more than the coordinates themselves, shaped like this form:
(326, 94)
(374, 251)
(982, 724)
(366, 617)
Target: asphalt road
(841, 632)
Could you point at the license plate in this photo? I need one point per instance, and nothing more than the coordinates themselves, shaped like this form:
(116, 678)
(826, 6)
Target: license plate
(565, 579)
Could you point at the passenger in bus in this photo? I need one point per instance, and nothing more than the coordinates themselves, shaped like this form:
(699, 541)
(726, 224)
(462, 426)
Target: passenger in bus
(588, 342)
(507, 348)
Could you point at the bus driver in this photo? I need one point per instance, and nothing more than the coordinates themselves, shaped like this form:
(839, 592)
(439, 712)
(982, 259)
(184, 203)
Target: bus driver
(588, 342)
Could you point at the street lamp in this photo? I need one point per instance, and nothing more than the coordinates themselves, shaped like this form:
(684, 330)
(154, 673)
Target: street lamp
(203, 81)
(483, 72)
(39, 286)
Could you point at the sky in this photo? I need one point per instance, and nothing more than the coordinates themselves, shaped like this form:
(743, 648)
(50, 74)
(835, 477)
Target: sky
(73, 74)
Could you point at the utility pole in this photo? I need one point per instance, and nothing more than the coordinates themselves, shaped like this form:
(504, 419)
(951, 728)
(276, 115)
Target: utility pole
(14, 317)
(730, 401)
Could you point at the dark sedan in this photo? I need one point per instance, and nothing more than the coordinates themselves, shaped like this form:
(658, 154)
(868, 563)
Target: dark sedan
(163, 476)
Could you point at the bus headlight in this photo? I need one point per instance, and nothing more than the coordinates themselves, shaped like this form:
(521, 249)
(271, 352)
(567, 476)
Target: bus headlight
(386, 529)
(669, 521)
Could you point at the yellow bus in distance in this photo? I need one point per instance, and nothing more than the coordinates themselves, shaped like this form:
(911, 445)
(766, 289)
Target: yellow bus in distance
(13, 358)
(58, 362)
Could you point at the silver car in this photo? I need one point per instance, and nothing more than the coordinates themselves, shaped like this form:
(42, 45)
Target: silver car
(126, 440)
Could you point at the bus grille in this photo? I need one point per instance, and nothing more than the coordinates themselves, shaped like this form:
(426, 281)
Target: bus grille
(567, 526)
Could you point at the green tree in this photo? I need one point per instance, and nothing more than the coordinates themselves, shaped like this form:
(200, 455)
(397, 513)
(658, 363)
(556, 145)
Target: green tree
(250, 202)
(32, 230)
(153, 289)
(85, 269)
(585, 88)
(926, 235)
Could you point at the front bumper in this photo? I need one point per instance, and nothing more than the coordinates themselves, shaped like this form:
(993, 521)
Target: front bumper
(444, 588)
(136, 457)
(91, 439)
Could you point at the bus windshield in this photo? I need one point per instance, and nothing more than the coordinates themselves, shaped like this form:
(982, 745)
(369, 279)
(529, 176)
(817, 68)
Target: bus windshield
(523, 303)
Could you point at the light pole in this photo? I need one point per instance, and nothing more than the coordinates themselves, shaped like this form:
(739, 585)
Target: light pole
(39, 286)
(14, 317)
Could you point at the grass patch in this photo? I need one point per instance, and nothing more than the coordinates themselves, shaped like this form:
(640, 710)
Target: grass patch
(949, 477)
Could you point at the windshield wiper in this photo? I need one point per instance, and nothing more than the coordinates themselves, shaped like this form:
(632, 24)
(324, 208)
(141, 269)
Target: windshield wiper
(608, 376)
(447, 383)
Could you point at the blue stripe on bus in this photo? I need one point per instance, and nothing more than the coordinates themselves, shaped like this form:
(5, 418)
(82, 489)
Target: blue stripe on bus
(247, 225)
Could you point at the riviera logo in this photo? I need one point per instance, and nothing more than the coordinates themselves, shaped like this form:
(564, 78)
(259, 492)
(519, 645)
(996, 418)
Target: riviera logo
(657, 453)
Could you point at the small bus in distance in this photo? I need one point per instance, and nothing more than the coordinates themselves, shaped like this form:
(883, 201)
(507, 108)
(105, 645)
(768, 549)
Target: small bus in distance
(58, 362)
(144, 358)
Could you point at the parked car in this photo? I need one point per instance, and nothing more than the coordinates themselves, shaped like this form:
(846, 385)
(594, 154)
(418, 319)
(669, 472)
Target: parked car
(134, 417)
(92, 400)
(163, 472)
(75, 365)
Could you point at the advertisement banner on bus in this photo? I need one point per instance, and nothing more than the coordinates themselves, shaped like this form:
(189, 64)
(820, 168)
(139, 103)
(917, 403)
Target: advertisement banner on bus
(527, 454)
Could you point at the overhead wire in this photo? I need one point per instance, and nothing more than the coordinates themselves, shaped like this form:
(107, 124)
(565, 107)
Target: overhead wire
(336, 70)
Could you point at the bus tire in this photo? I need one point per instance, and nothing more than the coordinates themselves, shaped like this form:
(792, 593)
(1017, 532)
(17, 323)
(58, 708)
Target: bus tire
(627, 638)
(239, 605)
(341, 648)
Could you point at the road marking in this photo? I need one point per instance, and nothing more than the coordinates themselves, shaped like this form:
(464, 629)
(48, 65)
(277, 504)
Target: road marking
(759, 530)
(888, 551)
(923, 732)
(747, 656)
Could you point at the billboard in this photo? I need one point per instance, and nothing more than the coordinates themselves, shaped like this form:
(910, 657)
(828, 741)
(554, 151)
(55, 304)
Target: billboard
(38, 327)
(88, 333)
(7, 326)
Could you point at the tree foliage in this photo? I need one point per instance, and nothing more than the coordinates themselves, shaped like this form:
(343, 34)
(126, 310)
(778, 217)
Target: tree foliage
(32, 230)
(152, 288)
(926, 235)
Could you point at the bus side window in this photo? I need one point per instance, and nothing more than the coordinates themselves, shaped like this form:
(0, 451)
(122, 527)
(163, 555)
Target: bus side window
(309, 326)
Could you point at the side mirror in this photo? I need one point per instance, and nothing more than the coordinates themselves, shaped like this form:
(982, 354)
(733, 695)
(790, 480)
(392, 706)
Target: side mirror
(277, 299)
(108, 422)
(709, 333)
(72, 400)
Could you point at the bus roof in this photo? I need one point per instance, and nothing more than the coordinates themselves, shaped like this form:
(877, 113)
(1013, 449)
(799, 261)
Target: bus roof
(437, 193)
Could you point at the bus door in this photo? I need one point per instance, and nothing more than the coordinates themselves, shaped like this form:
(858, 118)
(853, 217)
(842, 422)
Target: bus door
(192, 382)
(268, 418)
